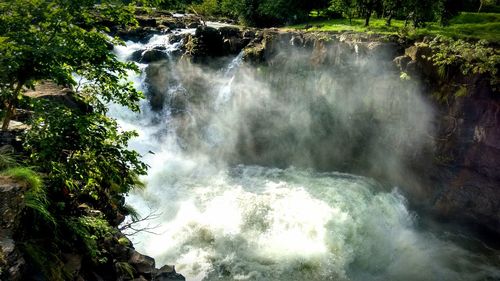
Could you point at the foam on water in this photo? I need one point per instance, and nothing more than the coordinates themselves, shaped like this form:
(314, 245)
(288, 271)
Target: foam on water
(246, 222)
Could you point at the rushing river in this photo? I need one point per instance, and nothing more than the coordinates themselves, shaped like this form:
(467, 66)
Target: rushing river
(243, 185)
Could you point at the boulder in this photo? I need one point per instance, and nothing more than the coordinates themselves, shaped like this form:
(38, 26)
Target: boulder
(55, 93)
(418, 52)
(147, 22)
(167, 273)
(206, 42)
(72, 263)
(194, 24)
(230, 31)
(152, 55)
(402, 62)
(143, 264)
(137, 34)
(173, 23)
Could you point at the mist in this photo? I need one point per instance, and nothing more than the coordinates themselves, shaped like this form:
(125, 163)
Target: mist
(350, 113)
(293, 169)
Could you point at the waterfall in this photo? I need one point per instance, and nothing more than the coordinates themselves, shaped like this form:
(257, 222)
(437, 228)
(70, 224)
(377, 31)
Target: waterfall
(244, 180)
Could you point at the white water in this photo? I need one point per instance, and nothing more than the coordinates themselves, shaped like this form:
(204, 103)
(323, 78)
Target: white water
(220, 221)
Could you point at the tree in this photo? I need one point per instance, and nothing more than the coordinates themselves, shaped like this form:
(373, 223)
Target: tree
(42, 39)
(347, 8)
(391, 8)
(487, 3)
(80, 152)
(366, 9)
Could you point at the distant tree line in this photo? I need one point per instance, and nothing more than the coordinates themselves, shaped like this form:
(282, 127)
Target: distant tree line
(278, 12)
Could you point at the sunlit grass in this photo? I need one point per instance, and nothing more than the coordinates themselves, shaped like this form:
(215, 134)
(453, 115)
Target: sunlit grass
(376, 25)
(465, 26)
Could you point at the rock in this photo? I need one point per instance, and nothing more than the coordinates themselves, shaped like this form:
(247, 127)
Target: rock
(167, 273)
(254, 52)
(421, 66)
(297, 40)
(175, 38)
(147, 22)
(470, 139)
(143, 264)
(173, 23)
(137, 34)
(11, 206)
(385, 51)
(156, 80)
(402, 62)
(22, 115)
(263, 46)
(136, 55)
(207, 42)
(58, 94)
(234, 45)
(150, 55)
(153, 55)
(418, 52)
(248, 34)
(229, 31)
(72, 263)
(194, 25)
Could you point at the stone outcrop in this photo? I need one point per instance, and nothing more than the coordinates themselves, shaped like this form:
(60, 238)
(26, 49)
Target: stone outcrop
(14, 266)
(466, 164)
(12, 263)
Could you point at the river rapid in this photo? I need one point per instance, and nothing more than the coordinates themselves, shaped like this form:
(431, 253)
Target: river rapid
(253, 171)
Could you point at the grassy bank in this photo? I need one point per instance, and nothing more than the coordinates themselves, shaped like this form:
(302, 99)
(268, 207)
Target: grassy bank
(465, 26)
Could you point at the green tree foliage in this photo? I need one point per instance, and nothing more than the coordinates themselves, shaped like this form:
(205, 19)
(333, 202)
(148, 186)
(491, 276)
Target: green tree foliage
(81, 152)
(470, 58)
(260, 12)
(347, 8)
(54, 40)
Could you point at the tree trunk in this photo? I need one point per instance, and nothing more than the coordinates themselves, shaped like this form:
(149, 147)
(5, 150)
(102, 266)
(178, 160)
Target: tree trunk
(480, 6)
(367, 19)
(9, 111)
(389, 19)
(10, 106)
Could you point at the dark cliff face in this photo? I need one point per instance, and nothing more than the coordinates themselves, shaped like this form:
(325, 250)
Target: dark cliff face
(466, 152)
(469, 142)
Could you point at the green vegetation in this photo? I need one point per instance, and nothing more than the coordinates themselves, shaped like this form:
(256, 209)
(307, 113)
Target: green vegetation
(84, 167)
(7, 159)
(470, 58)
(276, 12)
(464, 26)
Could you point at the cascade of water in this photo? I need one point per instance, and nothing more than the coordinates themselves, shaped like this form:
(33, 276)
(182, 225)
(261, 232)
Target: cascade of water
(249, 222)
(224, 94)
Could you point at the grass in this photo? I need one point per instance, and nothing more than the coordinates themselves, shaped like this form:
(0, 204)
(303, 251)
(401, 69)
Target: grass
(36, 196)
(464, 26)
(7, 158)
(26, 175)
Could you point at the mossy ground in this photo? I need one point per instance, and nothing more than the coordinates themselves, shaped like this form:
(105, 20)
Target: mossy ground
(464, 26)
